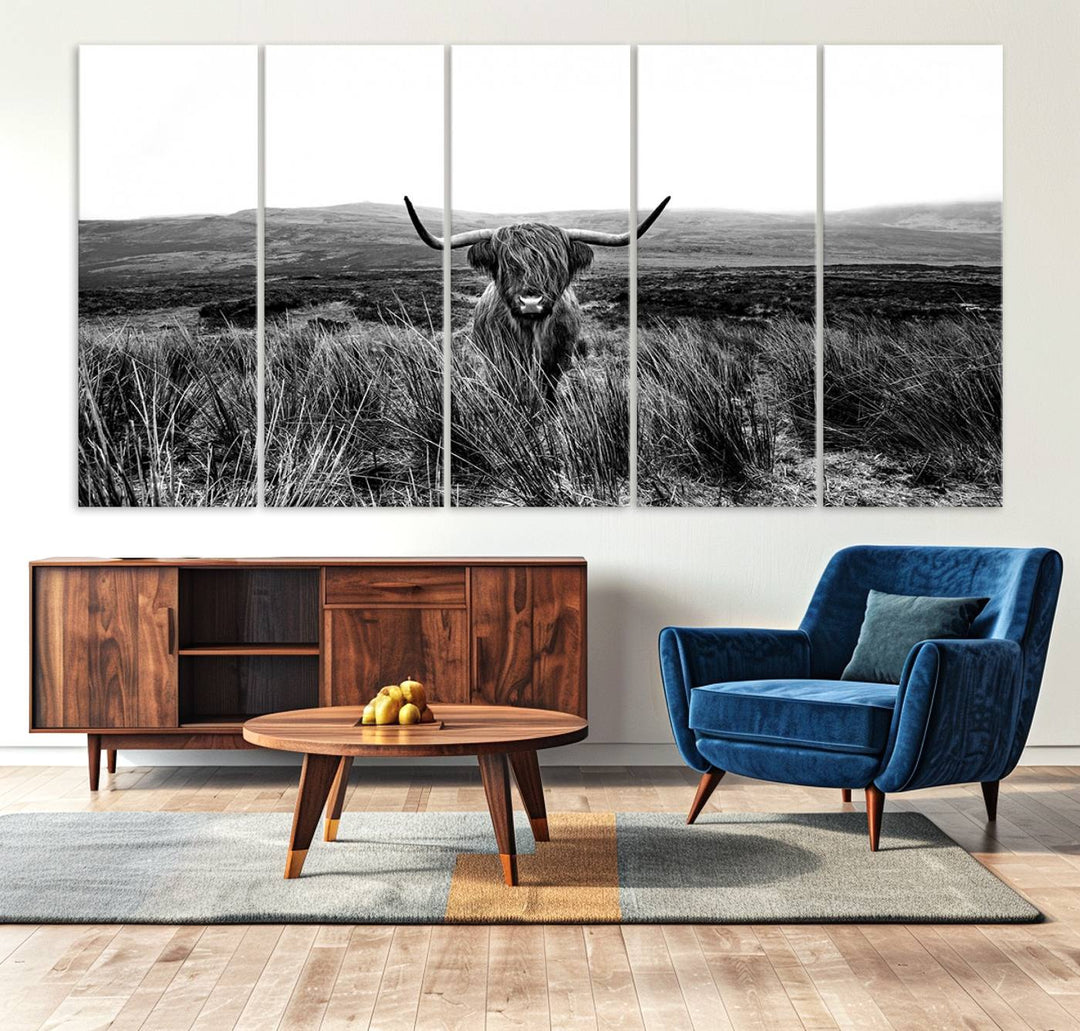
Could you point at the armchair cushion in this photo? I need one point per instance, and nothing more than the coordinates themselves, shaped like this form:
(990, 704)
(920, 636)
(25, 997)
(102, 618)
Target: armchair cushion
(831, 715)
(895, 623)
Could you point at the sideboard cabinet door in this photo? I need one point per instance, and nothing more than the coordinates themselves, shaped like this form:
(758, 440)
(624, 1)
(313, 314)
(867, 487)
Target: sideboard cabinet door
(365, 649)
(105, 647)
(528, 636)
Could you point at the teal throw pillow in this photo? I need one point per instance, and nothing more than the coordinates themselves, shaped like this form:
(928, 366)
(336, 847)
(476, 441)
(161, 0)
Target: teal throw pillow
(895, 623)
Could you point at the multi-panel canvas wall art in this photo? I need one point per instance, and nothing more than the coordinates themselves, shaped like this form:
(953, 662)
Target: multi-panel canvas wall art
(381, 325)
(168, 192)
(540, 138)
(912, 382)
(726, 291)
(353, 301)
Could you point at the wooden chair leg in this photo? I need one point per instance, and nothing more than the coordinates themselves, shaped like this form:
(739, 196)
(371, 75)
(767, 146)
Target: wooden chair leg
(336, 802)
(845, 794)
(875, 805)
(110, 759)
(93, 756)
(706, 786)
(990, 797)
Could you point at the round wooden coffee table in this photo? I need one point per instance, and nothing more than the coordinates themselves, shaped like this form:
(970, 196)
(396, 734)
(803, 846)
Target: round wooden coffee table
(500, 736)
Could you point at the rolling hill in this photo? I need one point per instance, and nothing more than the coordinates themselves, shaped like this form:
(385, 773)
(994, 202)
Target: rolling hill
(344, 240)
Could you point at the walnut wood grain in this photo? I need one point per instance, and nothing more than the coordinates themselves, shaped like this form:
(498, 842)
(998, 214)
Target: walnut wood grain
(496, 780)
(368, 648)
(110, 760)
(395, 585)
(316, 778)
(313, 562)
(558, 638)
(336, 802)
(526, 769)
(182, 739)
(875, 806)
(467, 730)
(60, 676)
(93, 757)
(102, 655)
(709, 782)
(501, 633)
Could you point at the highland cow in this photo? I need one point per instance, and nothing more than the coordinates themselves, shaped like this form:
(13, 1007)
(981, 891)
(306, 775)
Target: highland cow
(529, 311)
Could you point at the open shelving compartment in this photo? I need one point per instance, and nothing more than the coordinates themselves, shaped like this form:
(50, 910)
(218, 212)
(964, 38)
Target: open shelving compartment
(248, 643)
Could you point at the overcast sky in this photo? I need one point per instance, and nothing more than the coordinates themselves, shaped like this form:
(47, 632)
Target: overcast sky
(537, 128)
(167, 130)
(727, 127)
(912, 123)
(354, 123)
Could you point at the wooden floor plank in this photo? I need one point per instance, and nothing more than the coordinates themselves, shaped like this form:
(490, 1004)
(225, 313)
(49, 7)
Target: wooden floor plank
(356, 988)
(614, 995)
(402, 979)
(517, 978)
(454, 989)
(570, 994)
(655, 981)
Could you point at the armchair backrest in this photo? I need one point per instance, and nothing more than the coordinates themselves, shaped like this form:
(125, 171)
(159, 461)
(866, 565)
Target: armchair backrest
(1021, 583)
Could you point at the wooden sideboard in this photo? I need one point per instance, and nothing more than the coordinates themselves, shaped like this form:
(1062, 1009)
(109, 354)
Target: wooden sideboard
(176, 653)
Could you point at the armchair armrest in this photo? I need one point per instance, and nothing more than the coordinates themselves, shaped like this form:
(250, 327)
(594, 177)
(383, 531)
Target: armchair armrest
(955, 716)
(693, 656)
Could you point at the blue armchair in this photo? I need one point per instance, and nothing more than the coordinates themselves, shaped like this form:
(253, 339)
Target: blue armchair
(770, 704)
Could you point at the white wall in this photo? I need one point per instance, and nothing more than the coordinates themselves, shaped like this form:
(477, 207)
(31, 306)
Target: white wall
(647, 568)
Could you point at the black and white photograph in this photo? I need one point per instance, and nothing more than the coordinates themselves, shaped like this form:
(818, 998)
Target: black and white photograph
(168, 191)
(540, 275)
(726, 294)
(913, 177)
(353, 300)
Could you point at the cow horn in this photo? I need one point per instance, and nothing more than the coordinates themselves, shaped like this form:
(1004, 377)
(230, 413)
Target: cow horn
(437, 242)
(617, 239)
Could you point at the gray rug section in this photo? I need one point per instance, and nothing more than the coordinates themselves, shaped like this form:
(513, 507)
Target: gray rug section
(208, 868)
(804, 868)
(395, 868)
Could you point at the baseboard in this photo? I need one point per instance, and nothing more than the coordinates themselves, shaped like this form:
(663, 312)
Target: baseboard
(587, 753)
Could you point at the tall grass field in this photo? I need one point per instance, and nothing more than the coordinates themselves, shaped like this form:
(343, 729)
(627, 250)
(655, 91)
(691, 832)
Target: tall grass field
(166, 415)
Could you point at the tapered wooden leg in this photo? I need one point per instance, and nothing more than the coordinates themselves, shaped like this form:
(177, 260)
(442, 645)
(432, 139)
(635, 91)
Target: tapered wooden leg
(110, 759)
(875, 805)
(845, 794)
(496, 777)
(337, 797)
(990, 797)
(315, 780)
(706, 786)
(527, 774)
(93, 756)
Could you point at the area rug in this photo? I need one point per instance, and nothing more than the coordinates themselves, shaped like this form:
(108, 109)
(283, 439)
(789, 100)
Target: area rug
(208, 868)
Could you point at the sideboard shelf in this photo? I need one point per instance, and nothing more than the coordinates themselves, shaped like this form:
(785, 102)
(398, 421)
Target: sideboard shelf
(178, 653)
(249, 649)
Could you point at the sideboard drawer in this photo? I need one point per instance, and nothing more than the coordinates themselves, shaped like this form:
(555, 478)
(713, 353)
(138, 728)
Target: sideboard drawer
(395, 585)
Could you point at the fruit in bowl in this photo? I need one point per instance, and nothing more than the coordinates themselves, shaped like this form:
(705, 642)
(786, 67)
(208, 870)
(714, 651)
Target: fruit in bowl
(403, 704)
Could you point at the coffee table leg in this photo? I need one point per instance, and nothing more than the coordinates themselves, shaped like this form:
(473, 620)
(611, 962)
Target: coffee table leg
(315, 780)
(527, 774)
(496, 777)
(337, 798)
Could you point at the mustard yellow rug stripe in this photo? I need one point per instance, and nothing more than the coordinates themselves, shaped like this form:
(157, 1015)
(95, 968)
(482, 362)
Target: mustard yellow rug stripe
(573, 878)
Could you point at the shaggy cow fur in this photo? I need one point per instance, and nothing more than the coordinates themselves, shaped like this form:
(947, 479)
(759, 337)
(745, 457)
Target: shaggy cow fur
(529, 310)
